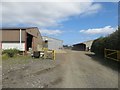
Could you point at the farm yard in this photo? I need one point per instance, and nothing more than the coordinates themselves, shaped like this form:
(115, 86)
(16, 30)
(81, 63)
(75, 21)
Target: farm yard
(58, 67)
(71, 69)
(66, 44)
(49, 65)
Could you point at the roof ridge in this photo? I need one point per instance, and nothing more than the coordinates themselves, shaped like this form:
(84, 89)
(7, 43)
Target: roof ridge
(16, 28)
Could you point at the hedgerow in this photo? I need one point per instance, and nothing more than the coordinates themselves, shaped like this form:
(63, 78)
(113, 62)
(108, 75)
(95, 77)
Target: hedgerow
(111, 41)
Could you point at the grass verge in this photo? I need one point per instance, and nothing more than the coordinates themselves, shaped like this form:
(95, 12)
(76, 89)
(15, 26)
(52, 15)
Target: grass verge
(15, 60)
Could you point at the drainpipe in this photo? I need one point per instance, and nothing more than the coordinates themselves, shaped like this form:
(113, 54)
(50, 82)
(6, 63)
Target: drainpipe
(20, 38)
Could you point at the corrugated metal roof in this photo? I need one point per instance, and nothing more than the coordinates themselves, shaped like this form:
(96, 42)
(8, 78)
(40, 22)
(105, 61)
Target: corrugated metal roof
(13, 34)
(52, 38)
(16, 28)
(78, 44)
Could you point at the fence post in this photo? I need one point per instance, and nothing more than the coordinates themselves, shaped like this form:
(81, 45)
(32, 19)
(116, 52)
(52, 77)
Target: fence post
(105, 52)
(118, 55)
(53, 54)
(45, 53)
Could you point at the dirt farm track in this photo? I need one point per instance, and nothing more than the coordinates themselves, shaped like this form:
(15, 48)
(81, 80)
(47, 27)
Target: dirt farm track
(73, 69)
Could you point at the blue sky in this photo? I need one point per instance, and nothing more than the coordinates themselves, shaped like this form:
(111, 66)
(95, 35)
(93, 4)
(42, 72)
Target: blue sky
(107, 16)
(72, 23)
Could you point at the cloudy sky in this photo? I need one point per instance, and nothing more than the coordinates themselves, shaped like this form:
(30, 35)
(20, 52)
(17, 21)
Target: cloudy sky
(71, 22)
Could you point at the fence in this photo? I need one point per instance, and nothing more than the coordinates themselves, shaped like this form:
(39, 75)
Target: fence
(112, 54)
(50, 54)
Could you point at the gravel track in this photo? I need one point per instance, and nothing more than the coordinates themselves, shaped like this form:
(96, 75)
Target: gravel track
(74, 69)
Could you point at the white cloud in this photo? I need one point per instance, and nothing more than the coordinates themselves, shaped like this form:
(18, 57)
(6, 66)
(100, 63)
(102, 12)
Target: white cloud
(44, 14)
(51, 32)
(104, 30)
(59, 0)
(46, 0)
(106, 0)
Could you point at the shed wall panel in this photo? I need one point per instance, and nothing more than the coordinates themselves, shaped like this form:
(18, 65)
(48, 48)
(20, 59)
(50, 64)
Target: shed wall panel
(18, 46)
(54, 44)
(12, 35)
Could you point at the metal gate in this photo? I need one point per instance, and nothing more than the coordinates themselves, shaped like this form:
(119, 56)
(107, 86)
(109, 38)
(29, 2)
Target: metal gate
(112, 54)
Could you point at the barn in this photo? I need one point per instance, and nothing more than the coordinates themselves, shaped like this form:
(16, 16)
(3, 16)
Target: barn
(79, 47)
(84, 46)
(21, 38)
(53, 43)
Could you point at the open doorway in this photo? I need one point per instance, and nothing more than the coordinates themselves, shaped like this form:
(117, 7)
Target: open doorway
(29, 41)
(79, 47)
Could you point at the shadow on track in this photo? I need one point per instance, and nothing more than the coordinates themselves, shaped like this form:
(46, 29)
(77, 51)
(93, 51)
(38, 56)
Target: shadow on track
(106, 62)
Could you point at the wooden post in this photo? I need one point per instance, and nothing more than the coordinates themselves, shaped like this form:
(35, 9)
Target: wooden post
(45, 53)
(53, 54)
(105, 53)
(118, 55)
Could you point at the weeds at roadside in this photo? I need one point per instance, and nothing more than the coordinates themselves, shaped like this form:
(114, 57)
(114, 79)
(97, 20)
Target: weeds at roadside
(17, 59)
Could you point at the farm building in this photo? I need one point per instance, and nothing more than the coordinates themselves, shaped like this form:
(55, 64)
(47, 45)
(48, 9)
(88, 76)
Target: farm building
(52, 43)
(88, 44)
(79, 47)
(21, 38)
(85, 46)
